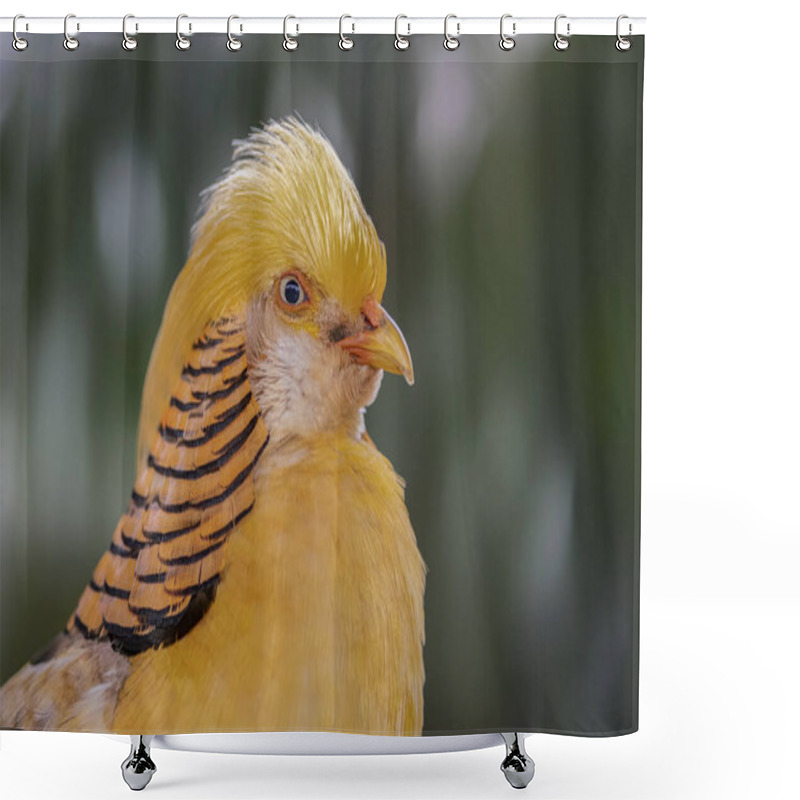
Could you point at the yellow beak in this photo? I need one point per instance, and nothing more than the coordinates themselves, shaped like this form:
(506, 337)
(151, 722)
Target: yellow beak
(381, 345)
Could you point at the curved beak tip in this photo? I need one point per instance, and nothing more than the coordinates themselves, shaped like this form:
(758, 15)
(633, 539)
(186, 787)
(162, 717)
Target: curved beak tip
(381, 347)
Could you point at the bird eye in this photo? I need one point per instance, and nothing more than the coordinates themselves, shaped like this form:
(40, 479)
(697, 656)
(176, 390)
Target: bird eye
(291, 291)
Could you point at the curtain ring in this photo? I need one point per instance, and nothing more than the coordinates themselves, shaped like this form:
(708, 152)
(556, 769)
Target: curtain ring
(70, 42)
(345, 42)
(622, 43)
(507, 42)
(451, 42)
(401, 42)
(128, 42)
(561, 43)
(19, 44)
(181, 42)
(233, 44)
(289, 42)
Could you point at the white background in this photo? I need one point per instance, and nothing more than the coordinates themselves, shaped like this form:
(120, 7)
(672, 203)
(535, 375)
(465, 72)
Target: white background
(720, 703)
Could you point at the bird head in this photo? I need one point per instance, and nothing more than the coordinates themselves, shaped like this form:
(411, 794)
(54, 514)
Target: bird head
(284, 240)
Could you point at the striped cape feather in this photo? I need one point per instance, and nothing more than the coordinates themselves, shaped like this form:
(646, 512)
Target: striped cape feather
(159, 575)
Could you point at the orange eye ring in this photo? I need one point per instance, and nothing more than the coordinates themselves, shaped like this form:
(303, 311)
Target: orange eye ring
(292, 291)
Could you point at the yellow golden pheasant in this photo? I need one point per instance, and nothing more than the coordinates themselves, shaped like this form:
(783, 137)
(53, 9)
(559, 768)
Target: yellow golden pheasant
(265, 576)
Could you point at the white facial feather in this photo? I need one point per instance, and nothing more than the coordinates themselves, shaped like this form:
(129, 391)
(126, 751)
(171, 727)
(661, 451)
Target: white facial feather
(305, 385)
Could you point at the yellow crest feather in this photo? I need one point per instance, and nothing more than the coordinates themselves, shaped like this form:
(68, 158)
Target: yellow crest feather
(285, 202)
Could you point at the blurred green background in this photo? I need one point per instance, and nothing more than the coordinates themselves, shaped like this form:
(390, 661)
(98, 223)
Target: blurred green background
(506, 187)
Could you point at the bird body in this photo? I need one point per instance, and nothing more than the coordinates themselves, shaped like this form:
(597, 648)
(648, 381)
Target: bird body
(314, 627)
(265, 575)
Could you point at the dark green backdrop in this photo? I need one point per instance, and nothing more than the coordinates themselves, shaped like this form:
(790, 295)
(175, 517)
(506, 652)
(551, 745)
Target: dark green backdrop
(507, 189)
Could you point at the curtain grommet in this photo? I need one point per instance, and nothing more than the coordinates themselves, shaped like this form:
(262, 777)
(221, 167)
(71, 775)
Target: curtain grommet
(507, 42)
(561, 43)
(128, 42)
(451, 42)
(181, 41)
(290, 43)
(623, 44)
(70, 42)
(401, 42)
(18, 43)
(345, 42)
(233, 44)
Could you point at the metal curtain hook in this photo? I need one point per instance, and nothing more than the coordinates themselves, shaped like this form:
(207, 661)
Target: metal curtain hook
(401, 42)
(622, 43)
(289, 42)
(345, 42)
(18, 43)
(233, 44)
(128, 42)
(561, 43)
(70, 42)
(181, 42)
(451, 42)
(507, 42)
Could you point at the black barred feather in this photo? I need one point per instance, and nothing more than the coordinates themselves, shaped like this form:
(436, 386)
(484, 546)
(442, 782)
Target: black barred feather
(195, 489)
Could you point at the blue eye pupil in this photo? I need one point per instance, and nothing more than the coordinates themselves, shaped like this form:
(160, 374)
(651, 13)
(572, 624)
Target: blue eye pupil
(292, 292)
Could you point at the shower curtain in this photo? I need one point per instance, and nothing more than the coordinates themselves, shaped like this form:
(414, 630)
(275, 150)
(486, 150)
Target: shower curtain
(320, 379)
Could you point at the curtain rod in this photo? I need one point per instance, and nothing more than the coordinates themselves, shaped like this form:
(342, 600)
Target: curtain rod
(299, 25)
